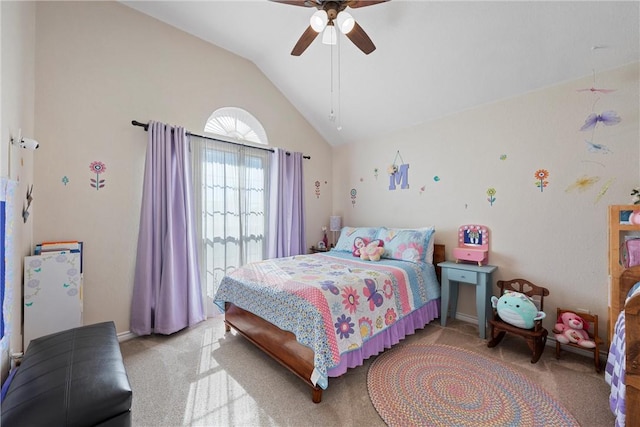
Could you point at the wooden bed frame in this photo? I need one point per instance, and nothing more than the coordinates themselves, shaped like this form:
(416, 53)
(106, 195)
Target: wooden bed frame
(632, 341)
(282, 345)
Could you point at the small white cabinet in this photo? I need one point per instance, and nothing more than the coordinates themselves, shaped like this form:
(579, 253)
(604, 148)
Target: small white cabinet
(52, 294)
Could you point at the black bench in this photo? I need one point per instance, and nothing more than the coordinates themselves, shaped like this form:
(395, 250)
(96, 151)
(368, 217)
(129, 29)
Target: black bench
(70, 378)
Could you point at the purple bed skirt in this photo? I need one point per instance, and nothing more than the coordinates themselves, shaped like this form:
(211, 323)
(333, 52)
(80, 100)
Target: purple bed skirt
(389, 337)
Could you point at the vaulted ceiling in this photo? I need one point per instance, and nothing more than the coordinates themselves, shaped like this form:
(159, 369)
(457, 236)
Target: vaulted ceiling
(432, 58)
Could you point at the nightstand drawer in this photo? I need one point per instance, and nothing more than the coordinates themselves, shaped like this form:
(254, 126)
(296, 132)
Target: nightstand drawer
(462, 275)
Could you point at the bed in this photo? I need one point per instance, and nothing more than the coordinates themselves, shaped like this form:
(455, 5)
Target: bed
(623, 362)
(323, 313)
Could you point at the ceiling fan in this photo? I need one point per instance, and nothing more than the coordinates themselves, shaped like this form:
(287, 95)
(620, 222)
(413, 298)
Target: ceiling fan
(330, 13)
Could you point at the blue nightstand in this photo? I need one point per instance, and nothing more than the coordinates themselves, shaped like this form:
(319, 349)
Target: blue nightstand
(480, 276)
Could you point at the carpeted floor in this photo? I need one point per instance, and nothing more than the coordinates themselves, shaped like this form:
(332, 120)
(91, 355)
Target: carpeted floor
(202, 377)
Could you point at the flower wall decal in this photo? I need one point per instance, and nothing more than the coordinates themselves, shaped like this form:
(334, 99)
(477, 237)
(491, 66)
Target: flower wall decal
(541, 176)
(98, 168)
(491, 192)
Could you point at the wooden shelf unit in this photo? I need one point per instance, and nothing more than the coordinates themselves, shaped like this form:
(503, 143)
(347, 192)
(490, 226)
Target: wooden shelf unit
(616, 240)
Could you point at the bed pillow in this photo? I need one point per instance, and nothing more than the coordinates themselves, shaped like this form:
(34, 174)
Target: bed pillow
(349, 234)
(430, 246)
(408, 244)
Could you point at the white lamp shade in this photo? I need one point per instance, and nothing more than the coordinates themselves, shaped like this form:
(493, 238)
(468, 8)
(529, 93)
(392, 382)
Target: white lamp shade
(345, 22)
(329, 35)
(318, 20)
(335, 223)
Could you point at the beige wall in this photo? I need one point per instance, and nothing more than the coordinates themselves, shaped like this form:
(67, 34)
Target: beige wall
(556, 238)
(101, 65)
(17, 88)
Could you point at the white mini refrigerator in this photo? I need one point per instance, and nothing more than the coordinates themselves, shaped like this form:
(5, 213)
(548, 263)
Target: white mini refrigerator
(52, 293)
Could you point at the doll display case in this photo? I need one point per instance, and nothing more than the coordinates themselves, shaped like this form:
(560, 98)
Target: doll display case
(473, 244)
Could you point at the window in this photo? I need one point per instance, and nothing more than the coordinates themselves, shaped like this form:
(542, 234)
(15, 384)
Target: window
(236, 123)
(232, 193)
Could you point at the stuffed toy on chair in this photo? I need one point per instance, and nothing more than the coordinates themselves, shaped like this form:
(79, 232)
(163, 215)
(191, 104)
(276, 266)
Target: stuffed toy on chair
(517, 309)
(572, 328)
(373, 251)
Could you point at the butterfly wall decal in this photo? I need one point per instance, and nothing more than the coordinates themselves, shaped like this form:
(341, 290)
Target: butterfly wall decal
(374, 297)
(607, 118)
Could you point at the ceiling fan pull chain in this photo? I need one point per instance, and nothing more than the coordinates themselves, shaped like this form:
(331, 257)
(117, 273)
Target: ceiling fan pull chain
(332, 116)
(338, 121)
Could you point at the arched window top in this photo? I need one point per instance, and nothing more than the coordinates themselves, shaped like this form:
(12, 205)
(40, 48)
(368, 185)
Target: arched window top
(238, 124)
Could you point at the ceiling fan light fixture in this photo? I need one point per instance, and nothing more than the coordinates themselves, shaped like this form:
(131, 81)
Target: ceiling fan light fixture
(345, 22)
(318, 20)
(329, 35)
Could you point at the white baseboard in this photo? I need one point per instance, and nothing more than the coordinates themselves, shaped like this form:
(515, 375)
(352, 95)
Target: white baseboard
(466, 318)
(127, 335)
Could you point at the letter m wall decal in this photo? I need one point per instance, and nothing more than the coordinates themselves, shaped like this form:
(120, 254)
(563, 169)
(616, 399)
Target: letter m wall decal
(401, 176)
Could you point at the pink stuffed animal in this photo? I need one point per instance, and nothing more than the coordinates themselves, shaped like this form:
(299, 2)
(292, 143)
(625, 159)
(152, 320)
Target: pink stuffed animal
(572, 328)
(359, 244)
(373, 251)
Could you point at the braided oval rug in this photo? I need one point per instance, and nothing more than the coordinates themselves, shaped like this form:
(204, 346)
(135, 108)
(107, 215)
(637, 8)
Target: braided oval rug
(441, 385)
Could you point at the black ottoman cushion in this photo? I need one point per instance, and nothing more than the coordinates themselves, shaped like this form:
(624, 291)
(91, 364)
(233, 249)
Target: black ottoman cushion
(70, 378)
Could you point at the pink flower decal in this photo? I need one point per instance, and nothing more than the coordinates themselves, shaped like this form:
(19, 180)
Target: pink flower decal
(97, 168)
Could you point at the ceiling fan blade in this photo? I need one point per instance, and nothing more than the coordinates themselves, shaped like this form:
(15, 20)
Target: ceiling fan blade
(304, 41)
(362, 3)
(303, 3)
(360, 38)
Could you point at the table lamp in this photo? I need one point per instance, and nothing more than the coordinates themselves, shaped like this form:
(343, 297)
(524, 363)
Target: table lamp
(335, 224)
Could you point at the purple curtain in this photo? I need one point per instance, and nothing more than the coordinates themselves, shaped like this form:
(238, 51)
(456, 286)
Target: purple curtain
(167, 295)
(286, 217)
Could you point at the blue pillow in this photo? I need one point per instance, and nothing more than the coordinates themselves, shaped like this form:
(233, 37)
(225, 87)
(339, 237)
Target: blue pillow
(349, 234)
(406, 244)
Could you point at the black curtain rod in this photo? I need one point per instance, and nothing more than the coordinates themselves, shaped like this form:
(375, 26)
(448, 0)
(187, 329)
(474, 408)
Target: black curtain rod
(146, 128)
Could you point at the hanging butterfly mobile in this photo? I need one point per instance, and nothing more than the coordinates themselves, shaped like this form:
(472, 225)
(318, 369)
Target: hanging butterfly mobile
(607, 118)
(597, 148)
(593, 89)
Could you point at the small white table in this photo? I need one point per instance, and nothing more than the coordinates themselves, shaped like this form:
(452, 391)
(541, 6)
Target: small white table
(480, 276)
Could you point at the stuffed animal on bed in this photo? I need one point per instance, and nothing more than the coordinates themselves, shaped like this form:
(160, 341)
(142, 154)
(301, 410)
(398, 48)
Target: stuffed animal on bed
(572, 328)
(373, 251)
(517, 309)
(358, 244)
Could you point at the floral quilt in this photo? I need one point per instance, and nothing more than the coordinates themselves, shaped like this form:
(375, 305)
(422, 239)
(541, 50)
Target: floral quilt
(332, 302)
